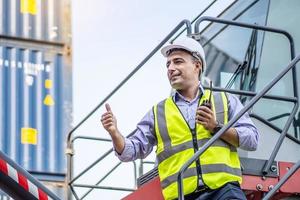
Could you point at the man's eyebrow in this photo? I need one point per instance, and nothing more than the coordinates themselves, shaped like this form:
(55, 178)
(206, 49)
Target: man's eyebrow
(174, 60)
(177, 59)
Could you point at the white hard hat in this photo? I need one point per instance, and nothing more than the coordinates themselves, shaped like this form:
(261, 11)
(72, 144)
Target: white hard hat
(188, 44)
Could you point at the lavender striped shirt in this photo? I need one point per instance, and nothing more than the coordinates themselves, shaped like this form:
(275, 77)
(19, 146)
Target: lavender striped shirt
(142, 142)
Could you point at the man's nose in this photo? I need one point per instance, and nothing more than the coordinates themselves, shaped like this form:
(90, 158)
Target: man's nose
(171, 67)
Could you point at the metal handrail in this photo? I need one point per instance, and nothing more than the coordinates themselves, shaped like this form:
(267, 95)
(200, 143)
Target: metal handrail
(219, 15)
(103, 187)
(102, 179)
(74, 192)
(223, 28)
(279, 116)
(252, 94)
(280, 139)
(246, 25)
(291, 65)
(91, 138)
(141, 168)
(256, 27)
(28, 176)
(282, 180)
(294, 74)
(95, 162)
(71, 182)
(200, 14)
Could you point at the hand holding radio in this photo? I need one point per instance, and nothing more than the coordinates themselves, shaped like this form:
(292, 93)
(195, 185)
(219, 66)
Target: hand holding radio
(205, 115)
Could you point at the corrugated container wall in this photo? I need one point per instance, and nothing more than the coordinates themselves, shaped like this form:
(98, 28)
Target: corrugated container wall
(35, 82)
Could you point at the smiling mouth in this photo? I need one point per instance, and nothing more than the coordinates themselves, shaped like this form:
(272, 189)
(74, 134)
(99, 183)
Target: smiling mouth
(174, 76)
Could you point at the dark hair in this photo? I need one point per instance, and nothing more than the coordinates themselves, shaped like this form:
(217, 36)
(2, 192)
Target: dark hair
(178, 49)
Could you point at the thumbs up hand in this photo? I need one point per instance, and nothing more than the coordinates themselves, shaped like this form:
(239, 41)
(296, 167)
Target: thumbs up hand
(109, 121)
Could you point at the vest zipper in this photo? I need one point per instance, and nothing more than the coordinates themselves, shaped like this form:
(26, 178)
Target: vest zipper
(195, 141)
(196, 148)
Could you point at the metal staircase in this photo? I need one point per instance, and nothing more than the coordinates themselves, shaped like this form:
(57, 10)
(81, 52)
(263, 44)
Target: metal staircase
(266, 175)
(260, 176)
(263, 178)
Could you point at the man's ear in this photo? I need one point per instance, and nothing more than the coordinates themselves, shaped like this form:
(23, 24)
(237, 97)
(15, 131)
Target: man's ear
(199, 65)
(200, 70)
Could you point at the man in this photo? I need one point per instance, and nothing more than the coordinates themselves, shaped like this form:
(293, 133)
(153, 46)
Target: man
(182, 123)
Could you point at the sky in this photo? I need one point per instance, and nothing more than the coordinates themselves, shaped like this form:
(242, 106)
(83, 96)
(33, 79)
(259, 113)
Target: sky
(110, 38)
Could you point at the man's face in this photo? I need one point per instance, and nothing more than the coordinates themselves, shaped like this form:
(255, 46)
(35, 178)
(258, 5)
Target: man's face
(183, 70)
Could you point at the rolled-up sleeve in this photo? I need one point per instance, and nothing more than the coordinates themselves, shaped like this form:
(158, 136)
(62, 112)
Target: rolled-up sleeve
(246, 130)
(141, 143)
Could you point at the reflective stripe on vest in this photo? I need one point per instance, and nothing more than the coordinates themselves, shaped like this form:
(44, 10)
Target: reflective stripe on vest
(175, 147)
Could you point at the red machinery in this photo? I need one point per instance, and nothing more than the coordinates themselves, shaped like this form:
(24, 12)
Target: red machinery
(254, 186)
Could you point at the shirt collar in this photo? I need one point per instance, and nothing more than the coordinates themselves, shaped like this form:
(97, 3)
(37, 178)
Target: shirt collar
(177, 96)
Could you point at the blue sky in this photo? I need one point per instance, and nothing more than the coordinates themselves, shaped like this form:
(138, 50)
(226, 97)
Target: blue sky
(109, 39)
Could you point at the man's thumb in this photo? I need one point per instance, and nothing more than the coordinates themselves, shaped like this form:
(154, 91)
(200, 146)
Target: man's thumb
(107, 106)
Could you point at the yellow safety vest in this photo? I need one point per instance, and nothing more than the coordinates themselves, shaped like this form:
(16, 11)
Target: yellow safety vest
(219, 164)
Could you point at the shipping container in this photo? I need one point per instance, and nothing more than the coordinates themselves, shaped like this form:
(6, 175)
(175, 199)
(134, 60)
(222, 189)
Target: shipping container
(35, 19)
(36, 84)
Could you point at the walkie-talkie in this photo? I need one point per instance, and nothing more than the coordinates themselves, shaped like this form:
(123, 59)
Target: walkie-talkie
(206, 102)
